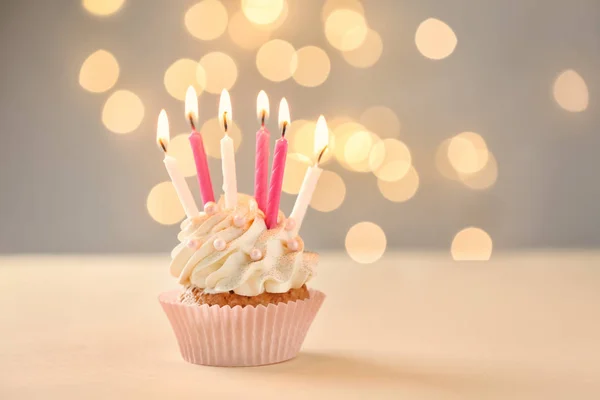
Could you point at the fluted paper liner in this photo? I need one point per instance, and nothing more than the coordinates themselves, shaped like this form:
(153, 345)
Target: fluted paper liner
(240, 336)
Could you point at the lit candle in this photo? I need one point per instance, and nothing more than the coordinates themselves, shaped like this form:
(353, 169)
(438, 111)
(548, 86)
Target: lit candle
(279, 156)
(227, 152)
(181, 186)
(311, 178)
(191, 113)
(261, 167)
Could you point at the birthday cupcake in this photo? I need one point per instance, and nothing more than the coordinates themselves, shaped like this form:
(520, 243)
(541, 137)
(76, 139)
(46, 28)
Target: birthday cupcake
(244, 299)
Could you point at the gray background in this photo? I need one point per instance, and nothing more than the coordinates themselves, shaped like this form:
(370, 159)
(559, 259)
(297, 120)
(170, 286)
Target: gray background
(69, 185)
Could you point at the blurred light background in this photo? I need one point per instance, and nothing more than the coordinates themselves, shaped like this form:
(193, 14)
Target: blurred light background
(469, 127)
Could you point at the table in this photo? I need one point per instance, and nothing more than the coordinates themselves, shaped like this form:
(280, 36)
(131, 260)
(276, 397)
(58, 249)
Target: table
(413, 326)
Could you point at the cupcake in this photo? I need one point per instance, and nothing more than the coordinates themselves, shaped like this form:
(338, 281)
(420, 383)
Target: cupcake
(244, 299)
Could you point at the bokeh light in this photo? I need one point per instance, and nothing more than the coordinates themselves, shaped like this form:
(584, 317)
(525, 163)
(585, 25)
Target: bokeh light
(381, 120)
(483, 179)
(245, 34)
(329, 193)
(368, 53)
(390, 160)
(338, 120)
(346, 29)
(570, 91)
(341, 134)
(293, 175)
(182, 74)
(219, 70)
(357, 147)
(99, 72)
(278, 22)
(435, 39)
(123, 112)
(275, 60)
(471, 244)
(262, 12)
(365, 242)
(163, 204)
(206, 20)
(212, 133)
(102, 7)
(401, 190)
(180, 149)
(310, 66)
(360, 164)
(332, 5)
(442, 162)
(468, 152)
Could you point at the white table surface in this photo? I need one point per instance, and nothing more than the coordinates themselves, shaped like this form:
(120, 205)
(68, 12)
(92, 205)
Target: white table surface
(412, 326)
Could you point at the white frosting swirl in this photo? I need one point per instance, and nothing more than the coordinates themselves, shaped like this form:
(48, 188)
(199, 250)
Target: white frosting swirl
(197, 261)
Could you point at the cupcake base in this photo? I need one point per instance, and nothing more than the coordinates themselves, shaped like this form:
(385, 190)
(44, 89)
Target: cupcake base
(195, 296)
(240, 336)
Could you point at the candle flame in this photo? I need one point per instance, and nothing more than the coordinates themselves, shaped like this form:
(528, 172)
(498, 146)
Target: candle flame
(262, 106)
(191, 106)
(284, 115)
(321, 137)
(225, 110)
(162, 130)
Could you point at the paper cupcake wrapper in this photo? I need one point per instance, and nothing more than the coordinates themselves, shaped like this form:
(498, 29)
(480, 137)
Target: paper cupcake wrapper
(240, 336)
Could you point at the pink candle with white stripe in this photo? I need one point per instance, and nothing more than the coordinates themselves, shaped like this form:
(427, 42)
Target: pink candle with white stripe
(191, 112)
(261, 172)
(278, 169)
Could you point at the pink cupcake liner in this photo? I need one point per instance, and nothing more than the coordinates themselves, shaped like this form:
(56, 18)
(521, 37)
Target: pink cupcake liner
(240, 336)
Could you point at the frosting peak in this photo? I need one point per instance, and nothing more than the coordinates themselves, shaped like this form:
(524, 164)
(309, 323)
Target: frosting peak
(232, 250)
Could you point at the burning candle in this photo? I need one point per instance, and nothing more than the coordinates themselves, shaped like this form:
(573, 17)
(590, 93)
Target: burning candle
(311, 178)
(191, 113)
(261, 168)
(181, 186)
(279, 156)
(227, 152)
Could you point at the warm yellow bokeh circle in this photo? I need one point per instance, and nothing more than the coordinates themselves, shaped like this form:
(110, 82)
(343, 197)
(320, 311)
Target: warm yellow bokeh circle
(99, 72)
(123, 112)
(365, 242)
(472, 244)
(163, 204)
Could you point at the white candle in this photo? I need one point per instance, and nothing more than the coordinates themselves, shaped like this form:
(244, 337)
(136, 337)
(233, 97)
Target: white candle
(304, 196)
(181, 186)
(179, 182)
(309, 184)
(229, 178)
(227, 153)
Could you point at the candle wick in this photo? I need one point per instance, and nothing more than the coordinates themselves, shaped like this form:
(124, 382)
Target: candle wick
(191, 119)
(321, 155)
(262, 117)
(283, 129)
(225, 121)
(162, 145)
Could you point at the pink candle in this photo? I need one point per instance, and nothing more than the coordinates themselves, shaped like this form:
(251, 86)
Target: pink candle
(206, 189)
(261, 167)
(279, 156)
(281, 147)
(261, 173)
(191, 112)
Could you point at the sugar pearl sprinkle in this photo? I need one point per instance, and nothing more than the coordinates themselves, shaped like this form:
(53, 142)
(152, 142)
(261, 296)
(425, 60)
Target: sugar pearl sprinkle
(193, 244)
(239, 221)
(290, 224)
(211, 208)
(255, 254)
(293, 245)
(219, 244)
